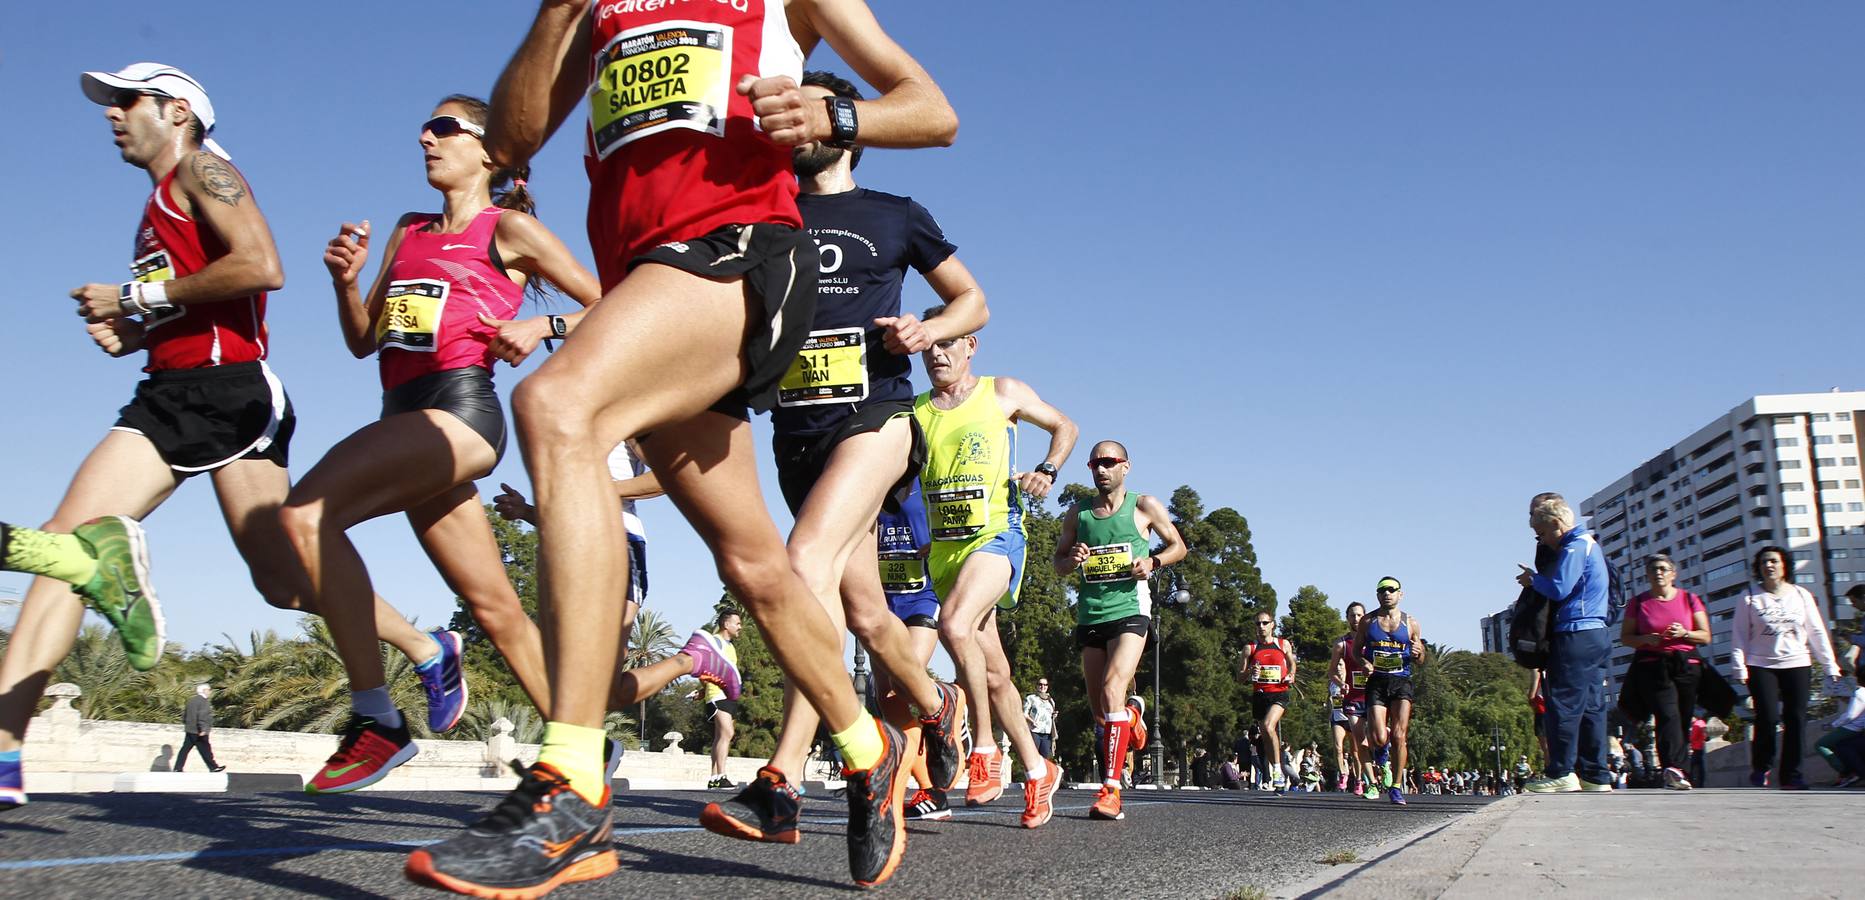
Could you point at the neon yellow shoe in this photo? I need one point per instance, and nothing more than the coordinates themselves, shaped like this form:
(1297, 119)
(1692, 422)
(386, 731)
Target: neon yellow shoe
(120, 591)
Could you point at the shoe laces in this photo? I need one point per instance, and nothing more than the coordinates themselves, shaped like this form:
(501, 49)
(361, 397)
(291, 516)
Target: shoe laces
(352, 735)
(980, 768)
(536, 782)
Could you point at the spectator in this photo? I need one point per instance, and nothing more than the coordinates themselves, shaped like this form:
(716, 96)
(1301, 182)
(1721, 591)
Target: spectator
(1039, 710)
(1779, 633)
(1230, 774)
(1699, 735)
(1575, 582)
(1664, 625)
(1844, 747)
(1245, 751)
(198, 720)
(1523, 771)
(1855, 642)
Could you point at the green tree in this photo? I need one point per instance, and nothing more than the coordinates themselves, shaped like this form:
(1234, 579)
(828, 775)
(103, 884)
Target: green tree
(1312, 625)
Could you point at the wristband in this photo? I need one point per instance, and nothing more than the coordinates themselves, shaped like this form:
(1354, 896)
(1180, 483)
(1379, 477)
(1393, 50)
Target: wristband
(154, 295)
(129, 296)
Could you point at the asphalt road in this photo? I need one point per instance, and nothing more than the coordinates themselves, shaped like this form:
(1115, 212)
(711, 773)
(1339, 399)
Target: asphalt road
(273, 845)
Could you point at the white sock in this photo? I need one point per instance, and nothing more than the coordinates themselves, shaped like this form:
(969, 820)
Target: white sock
(1033, 772)
(1120, 716)
(984, 750)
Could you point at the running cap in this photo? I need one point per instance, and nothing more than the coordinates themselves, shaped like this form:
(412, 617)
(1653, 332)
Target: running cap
(1386, 582)
(155, 78)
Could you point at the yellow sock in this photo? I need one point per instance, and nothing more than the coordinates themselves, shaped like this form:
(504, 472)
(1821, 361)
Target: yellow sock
(51, 554)
(577, 753)
(860, 743)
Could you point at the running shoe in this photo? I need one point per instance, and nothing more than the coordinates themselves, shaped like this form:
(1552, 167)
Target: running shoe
(766, 810)
(986, 779)
(368, 750)
(710, 664)
(541, 836)
(1675, 779)
(1107, 805)
(1385, 774)
(1844, 781)
(611, 759)
(1565, 784)
(1039, 796)
(1370, 792)
(718, 781)
(1396, 796)
(120, 591)
(1136, 713)
(1793, 783)
(1596, 787)
(1340, 783)
(877, 824)
(1758, 778)
(444, 679)
(946, 745)
(928, 805)
(12, 785)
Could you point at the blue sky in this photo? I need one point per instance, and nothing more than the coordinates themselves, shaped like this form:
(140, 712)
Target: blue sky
(1372, 274)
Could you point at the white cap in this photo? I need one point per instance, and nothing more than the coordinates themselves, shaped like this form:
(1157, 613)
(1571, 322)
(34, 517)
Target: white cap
(155, 78)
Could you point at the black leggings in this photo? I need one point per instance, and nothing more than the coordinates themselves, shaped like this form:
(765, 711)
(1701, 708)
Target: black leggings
(1667, 687)
(1780, 699)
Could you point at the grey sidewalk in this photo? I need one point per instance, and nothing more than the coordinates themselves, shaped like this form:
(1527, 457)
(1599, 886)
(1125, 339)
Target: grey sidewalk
(1650, 843)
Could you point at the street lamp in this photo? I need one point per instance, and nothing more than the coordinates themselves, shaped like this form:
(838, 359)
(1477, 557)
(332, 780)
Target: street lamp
(1497, 746)
(1177, 596)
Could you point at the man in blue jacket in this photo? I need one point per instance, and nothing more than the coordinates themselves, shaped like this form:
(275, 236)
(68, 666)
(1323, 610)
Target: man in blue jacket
(1573, 577)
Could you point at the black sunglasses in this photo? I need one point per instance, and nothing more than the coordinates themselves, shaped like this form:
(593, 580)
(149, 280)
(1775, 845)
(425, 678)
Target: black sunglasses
(448, 126)
(124, 98)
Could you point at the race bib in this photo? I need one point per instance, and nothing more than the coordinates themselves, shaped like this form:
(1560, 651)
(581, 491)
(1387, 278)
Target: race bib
(1268, 674)
(832, 367)
(1357, 679)
(148, 270)
(1388, 660)
(903, 574)
(1108, 563)
(411, 313)
(1338, 701)
(659, 76)
(959, 513)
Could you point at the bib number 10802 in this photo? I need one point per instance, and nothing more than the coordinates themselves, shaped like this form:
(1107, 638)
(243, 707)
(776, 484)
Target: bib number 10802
(659, 76)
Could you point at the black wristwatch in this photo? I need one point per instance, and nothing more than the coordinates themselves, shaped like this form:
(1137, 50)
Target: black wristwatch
(843, 123)
(1047, 469)
(558, 327)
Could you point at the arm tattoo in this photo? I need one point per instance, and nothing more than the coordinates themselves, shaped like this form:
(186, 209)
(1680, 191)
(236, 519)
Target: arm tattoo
(217, 178)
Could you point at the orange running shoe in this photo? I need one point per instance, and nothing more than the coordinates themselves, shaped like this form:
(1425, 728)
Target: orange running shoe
(986, 779)
(1136, 709)
(1107, 805)
(1038, 794)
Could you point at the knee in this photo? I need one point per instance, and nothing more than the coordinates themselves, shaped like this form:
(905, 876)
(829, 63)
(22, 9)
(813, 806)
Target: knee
(499, 616)
(814, 564)
(548, 414)
(956, 632)
(755, 578)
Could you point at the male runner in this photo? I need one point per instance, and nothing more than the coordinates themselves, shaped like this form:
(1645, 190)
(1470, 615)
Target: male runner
(1110, 540)
(1269, 667)
(708, 297)
(721, 709)
(903, 541)
(203, 260)
(974, 503)
(845, 443)
(1347, 702)
(1389, 643)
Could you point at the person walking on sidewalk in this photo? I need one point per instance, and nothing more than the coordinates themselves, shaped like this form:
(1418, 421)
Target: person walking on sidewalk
(1779, 633)
(1665, 625)
(198, 719)
(1575, 581)
(1039, 710)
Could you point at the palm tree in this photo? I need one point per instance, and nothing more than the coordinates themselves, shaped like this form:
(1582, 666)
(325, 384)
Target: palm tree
(113, 690)
(651, 641)
(301, 685)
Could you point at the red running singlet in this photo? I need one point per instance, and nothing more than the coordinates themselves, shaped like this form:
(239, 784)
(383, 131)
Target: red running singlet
(171, 245)
(1272, 665)
(438, 286)
(674, 152)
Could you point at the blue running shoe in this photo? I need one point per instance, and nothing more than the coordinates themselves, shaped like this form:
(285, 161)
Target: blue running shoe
(1396, 796)
(12, 785)
(444, 679)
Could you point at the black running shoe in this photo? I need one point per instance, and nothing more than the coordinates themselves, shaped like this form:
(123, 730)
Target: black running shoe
(928, 805)
(541, 836)
(944, 738)
(766, 810)
(877, 824)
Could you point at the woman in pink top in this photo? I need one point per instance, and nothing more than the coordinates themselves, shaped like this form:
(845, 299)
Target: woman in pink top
(1779, 633)
(1665, 625)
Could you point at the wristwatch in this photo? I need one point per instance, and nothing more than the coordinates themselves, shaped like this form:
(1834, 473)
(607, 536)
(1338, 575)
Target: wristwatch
(842, 122)
(558, 327)
(1046, 469)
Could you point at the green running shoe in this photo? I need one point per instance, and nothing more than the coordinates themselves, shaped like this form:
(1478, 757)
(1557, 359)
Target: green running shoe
(120, 591)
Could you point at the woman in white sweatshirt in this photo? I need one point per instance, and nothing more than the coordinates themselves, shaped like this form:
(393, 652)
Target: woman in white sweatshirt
(1779, 632)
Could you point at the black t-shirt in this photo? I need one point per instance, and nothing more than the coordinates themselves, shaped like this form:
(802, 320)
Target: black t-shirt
(865, 241)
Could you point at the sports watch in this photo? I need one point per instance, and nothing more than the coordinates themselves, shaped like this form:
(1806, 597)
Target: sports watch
(558, 327)
(843, 123)
(1045, 468)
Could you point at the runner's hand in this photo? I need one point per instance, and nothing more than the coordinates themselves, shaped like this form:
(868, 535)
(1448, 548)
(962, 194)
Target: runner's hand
(97, 302)
(906, 334)
(784, 114)
(512, 505)
(513, 341)
(117, 337)
(1079, 552)
(1142, 571)
(1036, 484)
(345, 254)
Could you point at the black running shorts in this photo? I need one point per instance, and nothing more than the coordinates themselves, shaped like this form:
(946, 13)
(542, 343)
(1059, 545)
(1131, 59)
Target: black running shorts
(202, 419)
(778, 265)
(465, 393)
(1100, 633)
(1261, 701)
(801, 458)
(1385, 690)
(729, 707)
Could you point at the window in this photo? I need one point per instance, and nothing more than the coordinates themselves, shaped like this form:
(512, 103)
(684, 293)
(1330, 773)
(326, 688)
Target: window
(1822, 439)
(1788, 464)
(1793, 486)
(1821, 417)
(1801, 555)
(1823, 461)
(1829, 485)
(1855, 507)
(1850, 460)
(1832, 507)
(1724, 571)
(1665, 532)
(1845, 439)
(1806, 578)
(1784, 420)
(1787, 442)
(1794, 510)
(1804, 532)
(1833, 531)
(1843, 417)
(1839, 577)
(1852, 483)
(1840, 553)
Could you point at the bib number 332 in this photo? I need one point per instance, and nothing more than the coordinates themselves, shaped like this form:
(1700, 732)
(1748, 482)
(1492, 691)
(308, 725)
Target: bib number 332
(660, 76)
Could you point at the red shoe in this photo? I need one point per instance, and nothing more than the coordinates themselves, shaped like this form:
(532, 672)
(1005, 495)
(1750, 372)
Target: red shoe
(1038, 794)
(986, 779)
(1107, 805)
(1136, 710)
(367, 752)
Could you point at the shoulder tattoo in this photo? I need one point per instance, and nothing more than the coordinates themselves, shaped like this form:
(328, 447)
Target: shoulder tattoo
(218, 178)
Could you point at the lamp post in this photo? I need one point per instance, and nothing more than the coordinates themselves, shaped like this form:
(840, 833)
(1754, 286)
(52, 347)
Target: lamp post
(1497, 746)
(1177, 596)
